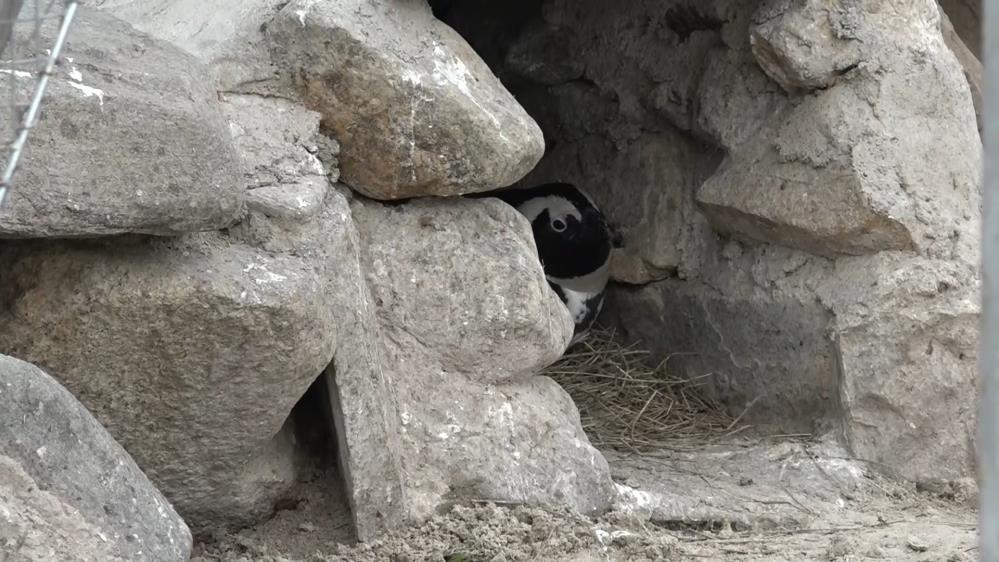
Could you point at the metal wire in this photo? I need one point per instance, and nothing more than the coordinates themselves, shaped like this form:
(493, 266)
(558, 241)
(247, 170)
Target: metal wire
(39, 68)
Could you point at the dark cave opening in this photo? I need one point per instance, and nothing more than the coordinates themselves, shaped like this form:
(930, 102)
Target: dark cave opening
(633, 101)
(312, 424)
(319, 488)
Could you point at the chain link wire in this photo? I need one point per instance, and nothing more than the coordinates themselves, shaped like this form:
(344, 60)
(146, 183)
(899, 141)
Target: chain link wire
(27, 62)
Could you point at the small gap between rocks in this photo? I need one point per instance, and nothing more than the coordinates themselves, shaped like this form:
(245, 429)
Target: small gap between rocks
(312, 422)
(314, 511)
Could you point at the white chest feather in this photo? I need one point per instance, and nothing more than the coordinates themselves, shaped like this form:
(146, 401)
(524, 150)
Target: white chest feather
(579, 304)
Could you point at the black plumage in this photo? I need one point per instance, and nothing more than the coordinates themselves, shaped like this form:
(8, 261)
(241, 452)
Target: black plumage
(574, 244)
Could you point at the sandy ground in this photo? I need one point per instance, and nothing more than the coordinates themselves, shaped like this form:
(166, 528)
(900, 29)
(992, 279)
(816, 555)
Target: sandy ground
(745, 499)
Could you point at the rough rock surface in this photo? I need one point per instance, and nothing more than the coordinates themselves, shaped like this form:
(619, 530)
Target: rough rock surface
(466, 317)
(461, 279)
(971, 64)
(227, 38)
(206, 342)
(192, 353)
(814, 171)
(130, 140)
(284, 156)
(846, 171)
(769, 357)
(293, 212)
(360, 386)
(546, 55)
(36, 525)
(275, 138)
(68, 491)
(880, 349)
(416, 110)
(907, 340)
(8, 14)
(806, 47)
(442, 316)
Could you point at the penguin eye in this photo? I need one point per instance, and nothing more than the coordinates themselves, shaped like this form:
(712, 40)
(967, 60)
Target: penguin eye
(558, 225)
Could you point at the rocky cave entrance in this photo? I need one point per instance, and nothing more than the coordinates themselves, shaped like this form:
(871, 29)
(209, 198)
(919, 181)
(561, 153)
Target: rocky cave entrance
(796, 186)
(701, 150)
(317, 490)
(636, 108)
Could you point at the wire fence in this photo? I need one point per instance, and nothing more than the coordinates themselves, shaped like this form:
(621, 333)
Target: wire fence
(27, 60)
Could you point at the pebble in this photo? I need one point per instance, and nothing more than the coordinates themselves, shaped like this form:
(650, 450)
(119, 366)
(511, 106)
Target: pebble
(917, 544)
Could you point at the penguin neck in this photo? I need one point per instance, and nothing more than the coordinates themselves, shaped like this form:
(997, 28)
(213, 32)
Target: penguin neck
(590, 283)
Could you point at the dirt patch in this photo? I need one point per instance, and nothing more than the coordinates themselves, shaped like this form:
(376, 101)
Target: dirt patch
(314, 518)
(491, 532)
(470, 534)
(742, 500)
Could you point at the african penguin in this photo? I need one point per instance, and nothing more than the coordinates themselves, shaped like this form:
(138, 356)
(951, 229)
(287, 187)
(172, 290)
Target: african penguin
(574, 244)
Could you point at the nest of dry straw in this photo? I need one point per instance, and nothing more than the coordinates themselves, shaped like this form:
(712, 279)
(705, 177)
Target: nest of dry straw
(625, 402)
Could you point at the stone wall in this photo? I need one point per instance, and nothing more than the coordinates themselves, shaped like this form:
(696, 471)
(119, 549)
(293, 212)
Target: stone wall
(195, 238)
(219, 207)
(797, 188)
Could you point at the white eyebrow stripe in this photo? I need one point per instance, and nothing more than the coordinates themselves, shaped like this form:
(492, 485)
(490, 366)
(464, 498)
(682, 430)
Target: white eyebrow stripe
(557, 207)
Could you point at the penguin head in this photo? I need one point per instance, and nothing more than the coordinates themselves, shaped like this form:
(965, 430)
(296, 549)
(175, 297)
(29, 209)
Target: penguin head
(571, 233)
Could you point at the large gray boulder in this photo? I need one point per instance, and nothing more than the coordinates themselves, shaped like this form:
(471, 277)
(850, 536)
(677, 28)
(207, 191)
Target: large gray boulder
(907, 342)
(849, 169)
(227, 39)
(206, 342)
(416, 110)
(191, 352)
(461, 280)
(466, 319)
(68, 491)
(130, 139)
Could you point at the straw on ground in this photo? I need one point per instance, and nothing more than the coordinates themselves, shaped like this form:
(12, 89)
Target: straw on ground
(627, 402)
